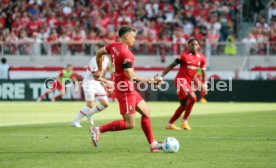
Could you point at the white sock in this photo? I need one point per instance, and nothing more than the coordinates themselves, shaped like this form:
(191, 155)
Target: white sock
(184, 121)
(154, 143)
(83, 112)
(96, 109)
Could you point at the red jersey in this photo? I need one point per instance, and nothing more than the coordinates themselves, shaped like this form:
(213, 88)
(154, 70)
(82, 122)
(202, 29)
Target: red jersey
(120, 55)
(189, 65)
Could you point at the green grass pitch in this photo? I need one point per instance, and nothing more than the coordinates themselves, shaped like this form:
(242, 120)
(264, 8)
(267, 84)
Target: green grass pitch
(238, 135)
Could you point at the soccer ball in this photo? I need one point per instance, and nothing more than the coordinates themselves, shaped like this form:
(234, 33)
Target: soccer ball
(171, 145)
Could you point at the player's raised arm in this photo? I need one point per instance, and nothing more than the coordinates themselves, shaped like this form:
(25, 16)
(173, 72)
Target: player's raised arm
(170, 67)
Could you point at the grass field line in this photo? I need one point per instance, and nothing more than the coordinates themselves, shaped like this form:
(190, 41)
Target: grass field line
(30, 113)
(132, 135)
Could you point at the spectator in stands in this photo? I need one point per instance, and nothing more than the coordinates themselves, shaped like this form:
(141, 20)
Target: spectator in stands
(12, 41)
(271, 10)
(36, 44)
(257, 8)
(24, 43)
(249, 44)
(230, 47)
(53, 47)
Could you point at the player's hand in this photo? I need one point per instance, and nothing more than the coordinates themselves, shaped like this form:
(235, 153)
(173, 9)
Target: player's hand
(158, 80)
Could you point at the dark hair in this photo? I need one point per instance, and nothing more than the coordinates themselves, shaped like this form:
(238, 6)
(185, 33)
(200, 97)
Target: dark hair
(69, 65)
(3, 60)
(125, 29)
(191, 40)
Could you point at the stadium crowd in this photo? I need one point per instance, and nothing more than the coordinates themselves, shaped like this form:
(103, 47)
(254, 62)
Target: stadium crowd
(26, 24)
(262, 38)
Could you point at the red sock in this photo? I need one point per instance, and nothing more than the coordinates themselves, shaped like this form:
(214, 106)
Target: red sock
(177, 114)
(58, 96)
(146, 126)
(202, 94)
(117, 125)
(44, 95)
(189, 106)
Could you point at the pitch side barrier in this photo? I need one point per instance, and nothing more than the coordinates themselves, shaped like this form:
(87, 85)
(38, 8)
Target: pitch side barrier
(219, 90)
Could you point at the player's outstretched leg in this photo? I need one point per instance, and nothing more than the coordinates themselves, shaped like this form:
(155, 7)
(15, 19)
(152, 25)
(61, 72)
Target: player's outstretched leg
(103, 105)
(177, 114)
(143, 109)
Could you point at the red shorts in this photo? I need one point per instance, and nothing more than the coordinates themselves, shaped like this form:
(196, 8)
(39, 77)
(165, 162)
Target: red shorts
(183, 88)
(57, 85)
(128, 101)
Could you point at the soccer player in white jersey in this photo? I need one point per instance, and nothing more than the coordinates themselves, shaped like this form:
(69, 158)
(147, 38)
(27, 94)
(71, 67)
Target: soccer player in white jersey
(93, 90)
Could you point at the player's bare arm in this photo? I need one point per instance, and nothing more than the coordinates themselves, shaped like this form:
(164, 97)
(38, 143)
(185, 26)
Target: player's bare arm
(99, 58)
(133, 77)
(170, 67)
(204, 86)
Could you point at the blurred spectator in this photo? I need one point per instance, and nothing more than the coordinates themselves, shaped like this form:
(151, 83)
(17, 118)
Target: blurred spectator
(230, 47)
(257, 7)
(4, 69)
(212, 38)
(53, 47)
(250, 44)
(271, 10)
(36, 44)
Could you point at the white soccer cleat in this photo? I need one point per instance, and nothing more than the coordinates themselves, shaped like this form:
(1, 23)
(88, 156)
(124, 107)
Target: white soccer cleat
(76, 124)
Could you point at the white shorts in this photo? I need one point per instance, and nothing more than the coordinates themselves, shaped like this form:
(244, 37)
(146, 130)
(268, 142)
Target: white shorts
(93, 90)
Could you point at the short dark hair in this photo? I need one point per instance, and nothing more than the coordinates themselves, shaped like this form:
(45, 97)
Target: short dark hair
(125, 29)
(3, 60)
(193, 39)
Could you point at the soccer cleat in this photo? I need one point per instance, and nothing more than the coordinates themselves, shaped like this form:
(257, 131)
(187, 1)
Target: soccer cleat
(95, 136)
(172, 127)
(203, 100)
(157, 148)
(186, 126)
(76, 124)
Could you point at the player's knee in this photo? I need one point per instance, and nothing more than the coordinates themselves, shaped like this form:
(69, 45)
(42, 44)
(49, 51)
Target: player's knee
(105, 104)
(89, 104)
(193, 99)
(130, 125)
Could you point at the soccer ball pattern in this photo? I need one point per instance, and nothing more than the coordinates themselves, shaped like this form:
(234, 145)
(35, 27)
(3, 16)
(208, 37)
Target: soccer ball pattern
(171, 145)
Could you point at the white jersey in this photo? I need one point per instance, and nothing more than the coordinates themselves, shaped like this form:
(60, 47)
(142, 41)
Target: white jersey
(92, 67)
(93, 89)
(4, 71)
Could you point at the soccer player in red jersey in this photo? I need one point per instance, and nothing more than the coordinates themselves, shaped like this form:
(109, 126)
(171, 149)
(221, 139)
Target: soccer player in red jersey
(66, 73)
(190, 61)
(124, 77)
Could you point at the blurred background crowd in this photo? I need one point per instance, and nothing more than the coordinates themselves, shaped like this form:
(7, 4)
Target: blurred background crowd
(42, 27)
